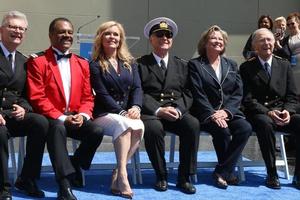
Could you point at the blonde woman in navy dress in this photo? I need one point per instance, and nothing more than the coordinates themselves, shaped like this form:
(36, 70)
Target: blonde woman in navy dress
(118, 100)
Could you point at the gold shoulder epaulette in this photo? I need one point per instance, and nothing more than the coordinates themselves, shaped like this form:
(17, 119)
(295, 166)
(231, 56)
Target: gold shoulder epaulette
(181, 59)
(252, 58)
(278, 57)
(35, 55)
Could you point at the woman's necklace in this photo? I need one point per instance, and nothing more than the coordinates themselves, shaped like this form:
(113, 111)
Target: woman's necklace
(114, 63)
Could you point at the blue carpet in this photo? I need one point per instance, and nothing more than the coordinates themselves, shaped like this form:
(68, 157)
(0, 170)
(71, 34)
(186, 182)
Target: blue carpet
(98, 182)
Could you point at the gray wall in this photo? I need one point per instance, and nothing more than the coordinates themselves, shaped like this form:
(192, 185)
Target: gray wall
(237, 17)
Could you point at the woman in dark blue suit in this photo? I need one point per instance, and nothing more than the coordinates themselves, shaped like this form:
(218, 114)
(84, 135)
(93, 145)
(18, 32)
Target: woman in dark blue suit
(118, 100)
(217, 93)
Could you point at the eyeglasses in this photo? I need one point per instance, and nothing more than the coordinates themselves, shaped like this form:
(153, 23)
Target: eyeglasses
(15, 28)
(161, 34)
(288, 24)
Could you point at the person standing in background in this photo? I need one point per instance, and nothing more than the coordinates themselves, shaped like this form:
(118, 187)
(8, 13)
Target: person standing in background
(264, 21)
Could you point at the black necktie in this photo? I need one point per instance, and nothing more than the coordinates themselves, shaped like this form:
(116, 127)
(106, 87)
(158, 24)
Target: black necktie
(60, 56)
(163, 66)
(267, 69)
(10, 60)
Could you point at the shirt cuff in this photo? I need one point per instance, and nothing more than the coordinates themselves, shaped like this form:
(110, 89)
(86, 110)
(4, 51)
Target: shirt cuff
(137, 107)
(85, 115)
(62, 118)
(155, 113)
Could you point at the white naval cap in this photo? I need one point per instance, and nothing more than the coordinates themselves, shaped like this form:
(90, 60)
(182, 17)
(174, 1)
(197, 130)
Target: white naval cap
(160, 24)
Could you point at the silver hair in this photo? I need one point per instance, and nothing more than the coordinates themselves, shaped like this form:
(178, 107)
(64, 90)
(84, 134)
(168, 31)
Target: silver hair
(254, 34)
(14, 14)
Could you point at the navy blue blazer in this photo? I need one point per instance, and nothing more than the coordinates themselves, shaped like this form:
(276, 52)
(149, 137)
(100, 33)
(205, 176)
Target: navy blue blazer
(13, 84)
(115, 93)
(261, 94)
(209, 94)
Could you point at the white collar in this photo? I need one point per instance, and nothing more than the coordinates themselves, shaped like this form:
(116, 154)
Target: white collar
(269, 61)
(6, 52)
(158, 59)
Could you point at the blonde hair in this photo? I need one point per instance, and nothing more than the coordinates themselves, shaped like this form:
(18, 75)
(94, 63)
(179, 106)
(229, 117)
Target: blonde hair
(205, 37)
(280, 19)
(123, 53)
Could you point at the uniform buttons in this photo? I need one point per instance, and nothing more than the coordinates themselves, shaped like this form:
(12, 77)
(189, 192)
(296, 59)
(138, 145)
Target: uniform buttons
(266, 103)
(124, 95)
(267, 97)
(162, 94)
(5, 89)
(3, 99)
(172, 99)
(121, 102)
(128, 87)
(172, 93)
(161, 100)
(1, 108)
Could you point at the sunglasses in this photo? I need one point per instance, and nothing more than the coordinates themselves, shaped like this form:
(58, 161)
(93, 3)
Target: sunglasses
(289, 24)
(161, 34)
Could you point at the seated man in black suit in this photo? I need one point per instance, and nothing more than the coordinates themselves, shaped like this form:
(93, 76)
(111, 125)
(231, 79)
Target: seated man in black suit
(270, 101)
(16, 117)
(166, 104)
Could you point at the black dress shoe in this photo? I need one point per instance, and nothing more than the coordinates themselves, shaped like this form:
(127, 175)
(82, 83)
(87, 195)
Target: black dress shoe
(231, 179)
(76, 180)
(296, 182)
(186, 187)
(273, 182)
(161, 186)
(220, 181)
(29, 187)
(65, 194)
(5, 195)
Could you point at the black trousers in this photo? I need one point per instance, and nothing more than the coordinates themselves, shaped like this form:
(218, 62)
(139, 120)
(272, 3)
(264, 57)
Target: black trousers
(228, 142)
(264, 127)
(90, 135)
(187, 129)
(35, 127)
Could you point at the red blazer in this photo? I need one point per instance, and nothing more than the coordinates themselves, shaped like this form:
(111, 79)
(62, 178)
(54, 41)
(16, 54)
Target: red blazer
(45, 87)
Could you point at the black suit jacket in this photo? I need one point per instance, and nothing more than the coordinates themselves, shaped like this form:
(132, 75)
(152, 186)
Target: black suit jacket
(262, 94)
(115, 93)
(164, 90)
(210, 94)
(12, 84)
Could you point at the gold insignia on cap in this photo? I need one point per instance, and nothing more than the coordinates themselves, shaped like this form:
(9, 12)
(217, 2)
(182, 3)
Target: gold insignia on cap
(163, 25)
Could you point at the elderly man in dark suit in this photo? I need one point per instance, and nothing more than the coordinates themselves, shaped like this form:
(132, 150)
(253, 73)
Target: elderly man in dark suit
(16, 117)
(270, 100)
(167, 100)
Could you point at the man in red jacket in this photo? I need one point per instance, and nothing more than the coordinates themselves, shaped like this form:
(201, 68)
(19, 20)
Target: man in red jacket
(59, 88)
